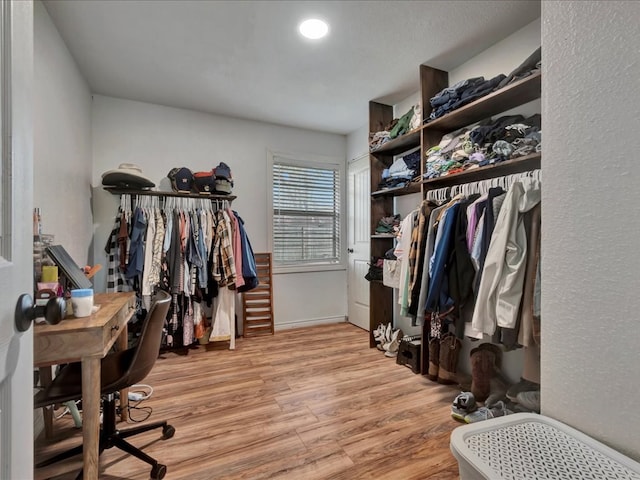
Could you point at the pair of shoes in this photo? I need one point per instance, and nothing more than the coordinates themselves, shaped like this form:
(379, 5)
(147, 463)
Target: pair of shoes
(499, 409)
(382, 335)
(391, 348)
(463, 404)
(522, 386)
(529, 400)
(379, 334)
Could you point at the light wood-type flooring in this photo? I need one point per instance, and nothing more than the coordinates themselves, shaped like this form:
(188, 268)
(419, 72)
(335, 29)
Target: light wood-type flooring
(304, 404)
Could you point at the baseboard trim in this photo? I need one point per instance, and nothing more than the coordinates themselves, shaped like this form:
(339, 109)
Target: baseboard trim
(308, 322)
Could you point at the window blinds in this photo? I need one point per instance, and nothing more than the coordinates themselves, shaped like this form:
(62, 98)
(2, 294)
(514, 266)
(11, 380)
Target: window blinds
(306, 213)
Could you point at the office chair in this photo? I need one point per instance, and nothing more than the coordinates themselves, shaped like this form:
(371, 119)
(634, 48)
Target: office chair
(119, 370)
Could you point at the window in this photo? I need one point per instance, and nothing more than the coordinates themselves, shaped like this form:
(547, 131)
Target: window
(307, 223)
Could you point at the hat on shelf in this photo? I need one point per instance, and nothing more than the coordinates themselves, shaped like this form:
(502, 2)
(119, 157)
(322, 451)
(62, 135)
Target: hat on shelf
(205, 182)
(224, 181)
(181, 179)
(223, 171)
(223, 186)
(127, 175)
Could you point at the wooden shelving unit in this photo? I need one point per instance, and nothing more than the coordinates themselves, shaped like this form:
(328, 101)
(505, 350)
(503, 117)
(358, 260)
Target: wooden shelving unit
(413, 187)
(400, 144)
(433, 81)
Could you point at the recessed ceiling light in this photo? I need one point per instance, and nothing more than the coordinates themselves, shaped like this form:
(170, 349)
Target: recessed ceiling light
(313, 28)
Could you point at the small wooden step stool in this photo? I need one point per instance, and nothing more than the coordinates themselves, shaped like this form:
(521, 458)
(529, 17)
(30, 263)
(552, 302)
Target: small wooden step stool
(257, 304)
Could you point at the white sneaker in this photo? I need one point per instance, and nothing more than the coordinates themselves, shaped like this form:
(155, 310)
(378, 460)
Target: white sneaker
(388, 332)
(393, 346)
(378, 333)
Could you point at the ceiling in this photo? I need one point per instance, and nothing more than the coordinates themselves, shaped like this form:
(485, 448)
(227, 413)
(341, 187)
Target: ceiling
(246, 59)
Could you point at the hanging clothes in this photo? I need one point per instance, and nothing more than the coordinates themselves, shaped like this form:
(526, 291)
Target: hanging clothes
(402, 254)
(417, 255)
(224, 270)
(426, 262)
(438, 298)
(249, 269)
(190, 250)
(500, 289)
(224, 316)
(116, 281)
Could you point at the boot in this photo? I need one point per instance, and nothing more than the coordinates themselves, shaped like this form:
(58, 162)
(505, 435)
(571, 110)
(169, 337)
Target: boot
(483, 364)
(449, 350)
(434, 359)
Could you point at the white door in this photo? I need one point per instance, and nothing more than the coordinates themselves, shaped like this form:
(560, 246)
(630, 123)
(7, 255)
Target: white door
(16, 238)
(359, 238)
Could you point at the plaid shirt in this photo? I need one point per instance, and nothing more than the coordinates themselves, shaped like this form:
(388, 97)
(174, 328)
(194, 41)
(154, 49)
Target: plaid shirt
(224, 269)
(115, 276)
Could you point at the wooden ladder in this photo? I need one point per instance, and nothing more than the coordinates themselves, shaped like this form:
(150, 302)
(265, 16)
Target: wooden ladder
(257, 304)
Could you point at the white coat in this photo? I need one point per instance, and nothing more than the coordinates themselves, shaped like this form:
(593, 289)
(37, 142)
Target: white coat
(500, 290)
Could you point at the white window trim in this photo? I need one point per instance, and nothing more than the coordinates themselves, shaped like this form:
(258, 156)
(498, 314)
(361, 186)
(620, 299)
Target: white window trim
(309, 160)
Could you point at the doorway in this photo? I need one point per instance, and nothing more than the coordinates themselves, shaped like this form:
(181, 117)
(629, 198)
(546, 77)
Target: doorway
(359, 238)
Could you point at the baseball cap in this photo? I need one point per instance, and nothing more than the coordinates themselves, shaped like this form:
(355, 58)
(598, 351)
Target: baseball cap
(181, 179)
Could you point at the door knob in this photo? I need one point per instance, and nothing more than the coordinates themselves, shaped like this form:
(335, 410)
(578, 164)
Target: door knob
(26, 312)
(350, 250)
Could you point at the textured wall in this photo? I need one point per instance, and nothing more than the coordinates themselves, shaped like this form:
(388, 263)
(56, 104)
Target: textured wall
(591, 227)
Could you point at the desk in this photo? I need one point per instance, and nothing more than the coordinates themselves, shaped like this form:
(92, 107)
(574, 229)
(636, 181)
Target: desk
(87, 340)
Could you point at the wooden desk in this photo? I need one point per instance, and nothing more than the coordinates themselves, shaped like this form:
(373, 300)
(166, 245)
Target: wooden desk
(87, 340)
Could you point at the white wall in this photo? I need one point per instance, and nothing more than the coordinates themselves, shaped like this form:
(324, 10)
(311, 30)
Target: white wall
(358, 142)
(62, 141)
(159, 138)
(590, 225)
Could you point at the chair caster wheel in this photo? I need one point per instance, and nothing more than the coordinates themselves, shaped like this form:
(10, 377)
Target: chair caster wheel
(158, 472)
(168, 432)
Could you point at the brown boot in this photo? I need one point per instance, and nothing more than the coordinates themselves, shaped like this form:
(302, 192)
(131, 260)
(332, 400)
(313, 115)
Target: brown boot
(434, 359)
(483, 364)
(495, 349)
(449, 350)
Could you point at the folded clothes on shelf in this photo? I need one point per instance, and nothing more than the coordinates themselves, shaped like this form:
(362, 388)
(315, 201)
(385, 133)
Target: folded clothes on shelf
(487, 143)
(466, 91)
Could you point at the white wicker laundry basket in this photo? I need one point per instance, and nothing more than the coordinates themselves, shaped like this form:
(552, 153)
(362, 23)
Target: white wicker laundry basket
(526, 446)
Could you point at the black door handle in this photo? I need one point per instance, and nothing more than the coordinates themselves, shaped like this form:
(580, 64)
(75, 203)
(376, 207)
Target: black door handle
(350, 250)
(26, 312)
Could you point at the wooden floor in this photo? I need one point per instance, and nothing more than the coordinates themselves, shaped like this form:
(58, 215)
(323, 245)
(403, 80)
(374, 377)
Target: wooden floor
(312, 403)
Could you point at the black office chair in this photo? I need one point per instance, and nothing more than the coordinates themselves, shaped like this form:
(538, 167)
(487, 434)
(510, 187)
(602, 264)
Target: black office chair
(119, 370)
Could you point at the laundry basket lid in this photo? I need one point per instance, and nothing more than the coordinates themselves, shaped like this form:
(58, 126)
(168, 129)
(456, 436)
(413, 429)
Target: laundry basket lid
(530, 446)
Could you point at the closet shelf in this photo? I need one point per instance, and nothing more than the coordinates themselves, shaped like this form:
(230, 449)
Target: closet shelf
(383, 236)
(413, 187)
(400, 144)
(516, 165)
(511, 96)
(154, 193)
